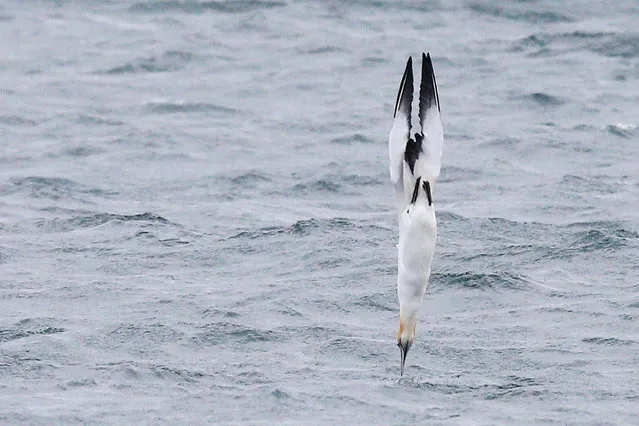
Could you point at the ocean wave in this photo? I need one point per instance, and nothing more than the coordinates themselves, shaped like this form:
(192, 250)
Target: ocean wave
(82, 151)
(99, 219)
(333, 183)
(322, 50)
(97, 121)
(448, 216)
(519, 13)
(377, 302)
(225, 333)
(600, 239)
(171, 60)
(456, 174)
(29, 327)
(138, 335)
(544, 99)
(478, 280)
(587, 184)
(624, 130)
(609, 44)
(320, 185)
(197, 7)
(301, 227)
(16, 120)
(52, 188)
(509, 386)
(609, 341)
(187, 107)
(351, 139)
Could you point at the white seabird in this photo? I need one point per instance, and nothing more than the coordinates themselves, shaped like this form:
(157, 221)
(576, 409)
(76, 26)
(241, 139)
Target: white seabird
(414, 166)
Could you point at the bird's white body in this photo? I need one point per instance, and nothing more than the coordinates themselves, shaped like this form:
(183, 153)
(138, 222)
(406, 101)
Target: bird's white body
(414, 166)
(417, 236)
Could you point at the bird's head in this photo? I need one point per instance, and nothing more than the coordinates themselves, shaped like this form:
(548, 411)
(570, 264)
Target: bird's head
(405, 338)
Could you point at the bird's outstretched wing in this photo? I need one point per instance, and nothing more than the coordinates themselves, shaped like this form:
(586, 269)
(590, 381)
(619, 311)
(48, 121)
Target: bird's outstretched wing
(400, 132)
(430, 159)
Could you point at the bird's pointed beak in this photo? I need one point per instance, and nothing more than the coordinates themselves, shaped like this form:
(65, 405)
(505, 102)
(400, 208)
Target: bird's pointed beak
(403, 349)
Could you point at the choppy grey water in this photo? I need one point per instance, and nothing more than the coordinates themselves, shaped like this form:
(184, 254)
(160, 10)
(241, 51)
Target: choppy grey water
(197, 225)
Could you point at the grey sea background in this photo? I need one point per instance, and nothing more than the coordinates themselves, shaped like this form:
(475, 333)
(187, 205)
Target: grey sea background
(197, 224)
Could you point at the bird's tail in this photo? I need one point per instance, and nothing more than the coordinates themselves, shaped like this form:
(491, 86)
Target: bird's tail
(417, 188)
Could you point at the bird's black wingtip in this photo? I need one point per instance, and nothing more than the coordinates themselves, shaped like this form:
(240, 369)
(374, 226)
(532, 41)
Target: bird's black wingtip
(405, 93)
(428, 87)
(426, 60)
